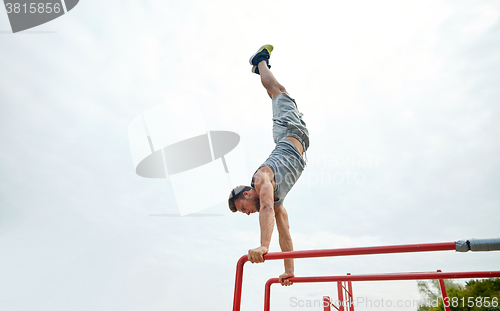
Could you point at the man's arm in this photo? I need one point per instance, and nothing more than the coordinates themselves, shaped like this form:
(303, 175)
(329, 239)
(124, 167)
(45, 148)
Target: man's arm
(266, 213)
(264, 187)
(286, 243)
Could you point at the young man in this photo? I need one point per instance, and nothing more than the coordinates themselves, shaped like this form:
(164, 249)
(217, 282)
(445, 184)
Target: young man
(277, 175)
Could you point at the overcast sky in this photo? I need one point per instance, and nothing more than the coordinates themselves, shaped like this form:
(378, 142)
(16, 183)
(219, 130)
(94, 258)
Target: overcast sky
(401, 99)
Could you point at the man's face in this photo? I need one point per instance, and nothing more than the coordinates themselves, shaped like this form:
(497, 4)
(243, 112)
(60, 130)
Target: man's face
(249, 204)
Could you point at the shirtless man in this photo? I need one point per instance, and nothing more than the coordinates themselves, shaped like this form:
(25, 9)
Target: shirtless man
(276, 176)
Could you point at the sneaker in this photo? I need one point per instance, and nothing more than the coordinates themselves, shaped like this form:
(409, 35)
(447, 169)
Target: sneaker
(263, 53)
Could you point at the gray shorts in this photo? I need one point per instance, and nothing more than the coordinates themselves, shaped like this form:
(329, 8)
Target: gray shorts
(287, 121)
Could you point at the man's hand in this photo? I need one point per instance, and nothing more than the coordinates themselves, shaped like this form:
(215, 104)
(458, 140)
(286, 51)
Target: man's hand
(284, 279)
(255, 255)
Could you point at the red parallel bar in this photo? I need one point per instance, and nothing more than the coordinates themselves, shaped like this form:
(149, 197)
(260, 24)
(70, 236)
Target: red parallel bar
(443, 293)
(238, 283)
(428, 247)
(341, 298)
(326, 303)
(351, 299)
(380, 277)
(347, 295)
(394, 277)
(410, 248)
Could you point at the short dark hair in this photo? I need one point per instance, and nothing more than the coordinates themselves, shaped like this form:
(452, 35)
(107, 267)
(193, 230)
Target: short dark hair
(236, 194)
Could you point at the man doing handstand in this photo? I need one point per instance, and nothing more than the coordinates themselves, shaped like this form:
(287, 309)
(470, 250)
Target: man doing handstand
(276, 176)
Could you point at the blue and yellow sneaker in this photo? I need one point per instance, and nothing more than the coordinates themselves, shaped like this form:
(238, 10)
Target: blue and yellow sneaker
(264, 53)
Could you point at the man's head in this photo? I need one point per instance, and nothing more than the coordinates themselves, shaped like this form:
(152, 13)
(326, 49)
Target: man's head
(244, 199)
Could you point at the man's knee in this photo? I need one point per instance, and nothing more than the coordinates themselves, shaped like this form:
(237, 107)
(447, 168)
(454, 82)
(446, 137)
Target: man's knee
(277, 91)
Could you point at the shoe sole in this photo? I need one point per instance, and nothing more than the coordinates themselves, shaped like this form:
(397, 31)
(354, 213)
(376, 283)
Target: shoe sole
(268, 47)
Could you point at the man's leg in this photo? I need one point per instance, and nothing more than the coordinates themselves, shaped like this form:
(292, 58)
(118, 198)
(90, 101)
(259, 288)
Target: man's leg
(269, 81)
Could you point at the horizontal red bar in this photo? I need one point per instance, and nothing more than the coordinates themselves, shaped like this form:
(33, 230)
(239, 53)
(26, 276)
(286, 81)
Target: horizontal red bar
(409, 248)
(392, 277)
(379, 277)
